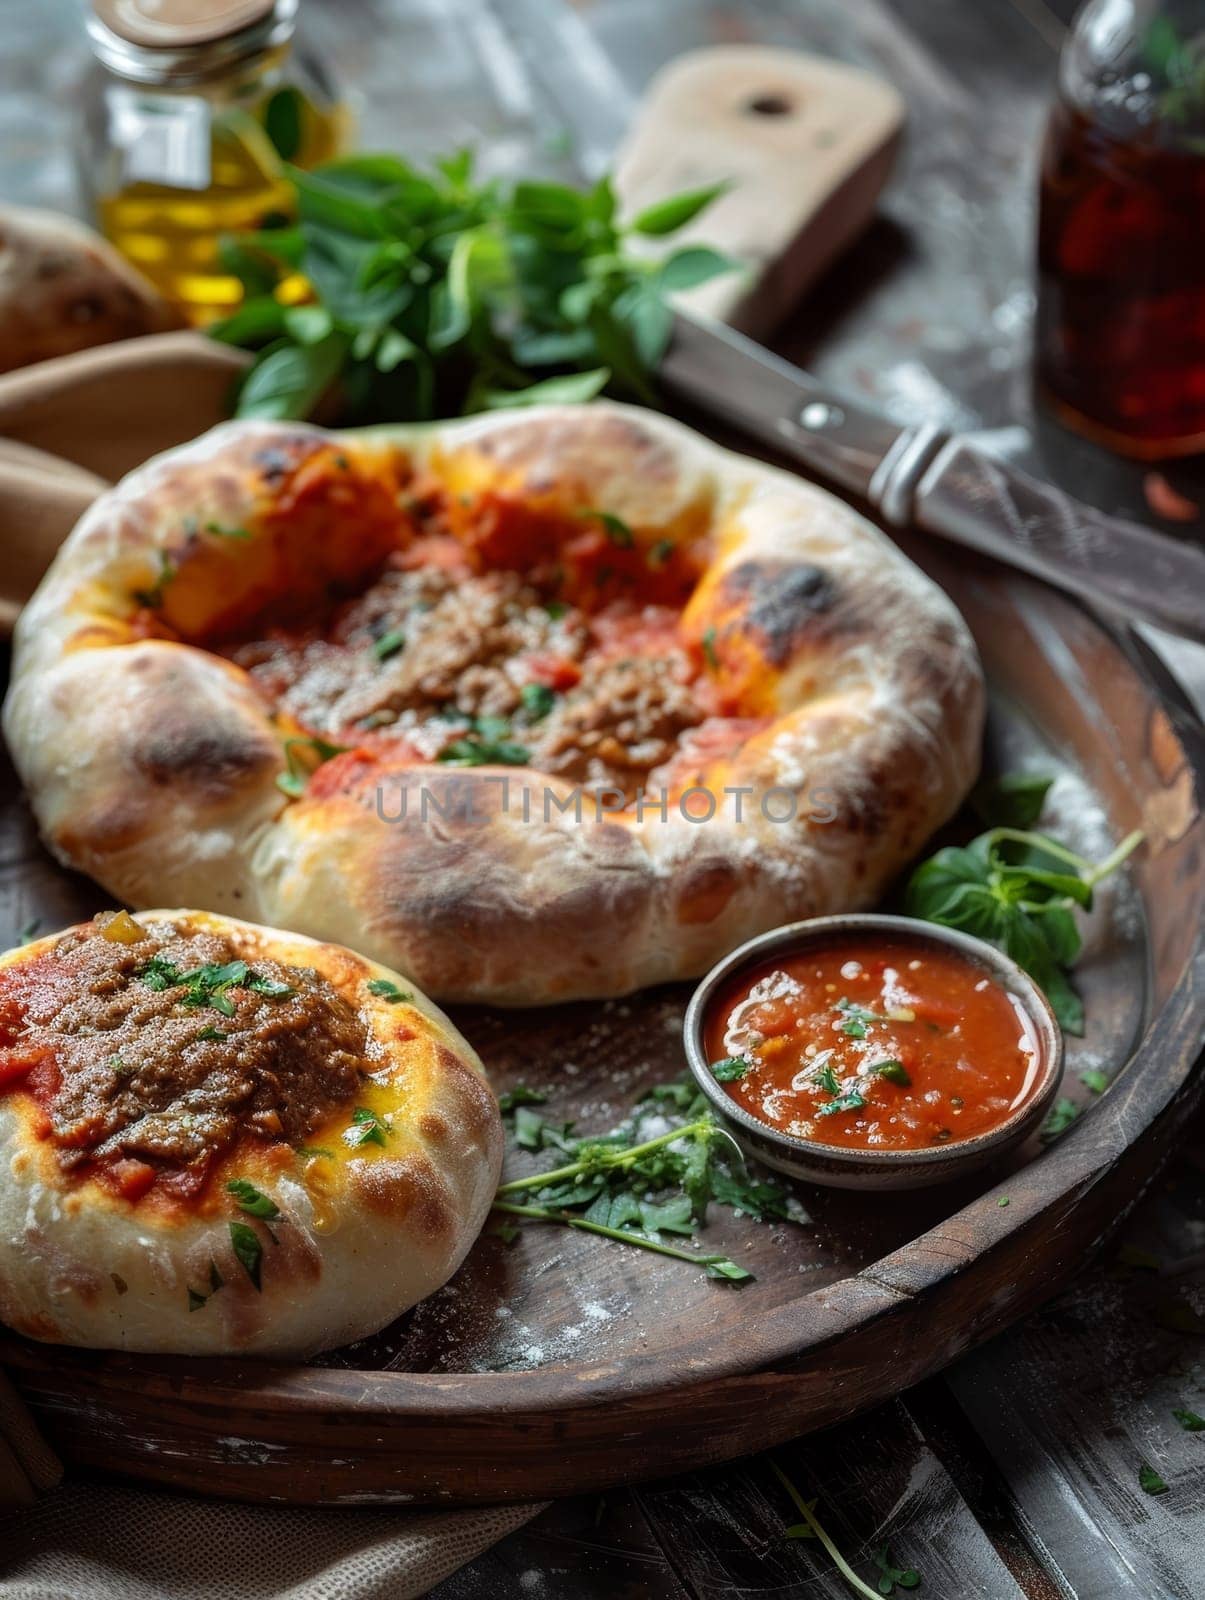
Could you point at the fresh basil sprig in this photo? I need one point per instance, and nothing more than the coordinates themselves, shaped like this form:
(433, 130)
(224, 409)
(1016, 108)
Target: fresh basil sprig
(1018, 890)
(434, 293)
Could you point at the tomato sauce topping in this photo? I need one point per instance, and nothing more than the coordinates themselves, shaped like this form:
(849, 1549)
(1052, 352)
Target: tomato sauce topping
(874, 1043)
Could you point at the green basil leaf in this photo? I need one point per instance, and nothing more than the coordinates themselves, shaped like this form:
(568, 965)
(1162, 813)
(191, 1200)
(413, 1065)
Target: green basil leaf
(667, 216)
(572, 389)
(288, 382)
(1012, 801)
(730, 1069)
(688, 268)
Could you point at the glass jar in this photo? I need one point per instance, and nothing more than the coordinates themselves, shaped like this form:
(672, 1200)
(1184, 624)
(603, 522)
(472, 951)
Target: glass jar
(191, 112)
(1121, 247)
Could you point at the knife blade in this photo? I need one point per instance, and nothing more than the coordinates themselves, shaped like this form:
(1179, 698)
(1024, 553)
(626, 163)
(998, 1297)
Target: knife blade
(918, 475)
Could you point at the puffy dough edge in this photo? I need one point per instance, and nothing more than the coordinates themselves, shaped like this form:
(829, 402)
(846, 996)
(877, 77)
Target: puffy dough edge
(881, 710)
(83, 1268)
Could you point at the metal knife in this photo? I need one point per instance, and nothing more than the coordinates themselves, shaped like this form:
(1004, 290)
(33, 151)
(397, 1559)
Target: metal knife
(916, 475)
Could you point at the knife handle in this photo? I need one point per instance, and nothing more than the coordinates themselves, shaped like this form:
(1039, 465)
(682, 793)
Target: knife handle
(977, 500)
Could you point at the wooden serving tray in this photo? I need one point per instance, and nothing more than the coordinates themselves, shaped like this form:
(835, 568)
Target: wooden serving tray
(565, 1362)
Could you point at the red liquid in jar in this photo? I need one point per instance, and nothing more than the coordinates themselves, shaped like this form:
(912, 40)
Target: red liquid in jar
(1121, 304)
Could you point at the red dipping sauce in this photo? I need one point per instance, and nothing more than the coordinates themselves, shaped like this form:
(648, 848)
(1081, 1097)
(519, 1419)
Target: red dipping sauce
(874, 1043)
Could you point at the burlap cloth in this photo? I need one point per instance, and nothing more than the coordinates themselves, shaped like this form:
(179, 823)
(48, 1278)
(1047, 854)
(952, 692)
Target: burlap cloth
(68, 427)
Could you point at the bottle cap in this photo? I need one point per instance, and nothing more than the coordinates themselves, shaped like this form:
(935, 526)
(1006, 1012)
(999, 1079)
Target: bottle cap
(179, 24)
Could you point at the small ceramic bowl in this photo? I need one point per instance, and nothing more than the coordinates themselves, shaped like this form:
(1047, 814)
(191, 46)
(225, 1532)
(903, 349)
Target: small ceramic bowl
(836, 1165)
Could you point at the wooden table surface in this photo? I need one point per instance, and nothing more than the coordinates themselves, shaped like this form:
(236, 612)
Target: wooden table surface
(1017, 1474)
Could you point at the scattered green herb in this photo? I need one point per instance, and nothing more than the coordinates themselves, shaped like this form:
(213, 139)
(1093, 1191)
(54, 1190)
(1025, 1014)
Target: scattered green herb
(894, 1072)
(810, 1528)
(248, 1250)
(389, 644)
(615, 528)
(120, 1068)
(1149, 1480)
(1189, 1421)
(852, 1101)
(1018, 890)
(252, 1200)
(437, 294)
(303, 755)
(207, 985)
(556, 609)
(633, 1189)
(662, 552)
(891, 1576)
(29, 931)
(709, 655)
(1096, 1080)
(366, 1128)
(1003, 1201)
(386, 989)
(1062, 1115)
(210, 1034)
(538, 700)
(730, 1069)
(152, 598)
(221, 532)
(856, 1018)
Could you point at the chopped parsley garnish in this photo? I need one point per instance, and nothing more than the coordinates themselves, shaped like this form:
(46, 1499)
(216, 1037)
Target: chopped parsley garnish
(119, 1067)
(486, 742)
(226, 533)
(366, 1128)
(1189, 1420)
(29, 931)
(389, 644)
(252, 1200)
(538, 700)
(635, 1190)
(661, 552)
(856, 1019)
(556, 609)
(152, 598)
(852, 1101)
(210, 1035)
(207, 985)
(824, 1075)
(303, 755)
(1096, 1080)
(1149, 1480)
(249, 1251)
(893, 1071)
(709, 655)
(386, 989)
(615, 528)
(730, 1069)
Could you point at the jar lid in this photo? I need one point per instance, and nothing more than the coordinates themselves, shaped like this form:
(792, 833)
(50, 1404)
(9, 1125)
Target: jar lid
(179, 24)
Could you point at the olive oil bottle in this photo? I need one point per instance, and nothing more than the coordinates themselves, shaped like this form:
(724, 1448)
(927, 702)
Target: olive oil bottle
(193, 109)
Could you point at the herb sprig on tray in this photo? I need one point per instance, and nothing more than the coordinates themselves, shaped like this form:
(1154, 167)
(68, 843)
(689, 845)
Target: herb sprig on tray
(634, 1188)
(1018, 889)
(431, 293)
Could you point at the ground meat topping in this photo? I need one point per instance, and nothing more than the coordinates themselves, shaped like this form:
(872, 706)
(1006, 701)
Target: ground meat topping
(432, 658)
(170, 1071)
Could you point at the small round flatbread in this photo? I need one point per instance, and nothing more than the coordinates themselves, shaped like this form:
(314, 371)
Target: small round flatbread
(216, 1138)
(63, 288)
(531, 706)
